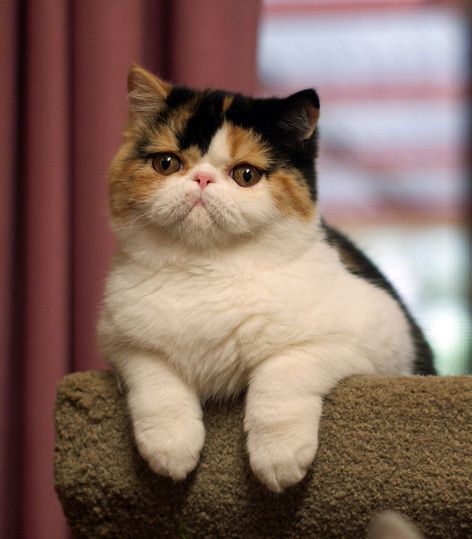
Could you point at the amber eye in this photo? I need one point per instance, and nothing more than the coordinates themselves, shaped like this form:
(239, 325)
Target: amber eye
(166, 163)
(246, 175)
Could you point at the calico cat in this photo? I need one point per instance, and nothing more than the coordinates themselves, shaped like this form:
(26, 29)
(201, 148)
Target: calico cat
(226, 278)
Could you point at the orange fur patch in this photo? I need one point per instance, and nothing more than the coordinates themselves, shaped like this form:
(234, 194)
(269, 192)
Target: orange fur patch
(164, 137)
(118, 199)
(191, 156)
(291, 194)
(227, 101)
(246, 146)
(130, 181)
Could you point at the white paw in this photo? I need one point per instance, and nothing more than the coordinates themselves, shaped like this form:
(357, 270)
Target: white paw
(171, 448)
(281, 456)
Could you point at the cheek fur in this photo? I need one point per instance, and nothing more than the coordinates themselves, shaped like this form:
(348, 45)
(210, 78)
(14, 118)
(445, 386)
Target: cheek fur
(118, 189)
(172, 202)
(242, 210)
(133, 183)
(291, 194)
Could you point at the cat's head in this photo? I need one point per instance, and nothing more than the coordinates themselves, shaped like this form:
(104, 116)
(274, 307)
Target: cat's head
(210, 166)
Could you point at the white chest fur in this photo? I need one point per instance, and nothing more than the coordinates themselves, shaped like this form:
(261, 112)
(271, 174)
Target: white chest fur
(216, 318)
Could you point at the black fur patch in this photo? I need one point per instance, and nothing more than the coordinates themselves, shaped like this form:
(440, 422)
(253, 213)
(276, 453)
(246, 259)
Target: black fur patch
(204, 122)
(359, 264)
(178, 96)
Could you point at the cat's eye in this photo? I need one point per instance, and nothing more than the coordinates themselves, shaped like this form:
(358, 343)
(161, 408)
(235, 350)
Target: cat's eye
(246, 175)
(166, 163)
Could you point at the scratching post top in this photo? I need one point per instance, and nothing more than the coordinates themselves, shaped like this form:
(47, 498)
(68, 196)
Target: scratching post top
(401, 443)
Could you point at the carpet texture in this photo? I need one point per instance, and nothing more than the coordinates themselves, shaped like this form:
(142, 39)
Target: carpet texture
(401, 443)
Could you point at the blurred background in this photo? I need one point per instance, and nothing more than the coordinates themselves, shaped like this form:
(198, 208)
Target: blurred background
(394, 169)
(392, 78)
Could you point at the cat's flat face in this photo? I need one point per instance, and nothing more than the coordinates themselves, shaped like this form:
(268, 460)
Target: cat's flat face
(209, 166)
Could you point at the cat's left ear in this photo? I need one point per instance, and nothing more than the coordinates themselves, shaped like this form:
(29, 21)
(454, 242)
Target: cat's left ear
(300, 113)
(146, 92)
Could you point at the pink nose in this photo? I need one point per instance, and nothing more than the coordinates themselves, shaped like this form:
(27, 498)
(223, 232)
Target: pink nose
(203, 179)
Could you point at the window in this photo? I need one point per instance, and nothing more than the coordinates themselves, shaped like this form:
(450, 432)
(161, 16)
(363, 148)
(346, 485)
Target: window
(391, 76)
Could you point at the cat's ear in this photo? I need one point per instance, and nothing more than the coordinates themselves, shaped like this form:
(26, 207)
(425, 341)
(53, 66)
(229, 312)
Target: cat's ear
(300, 113)
(146, 92)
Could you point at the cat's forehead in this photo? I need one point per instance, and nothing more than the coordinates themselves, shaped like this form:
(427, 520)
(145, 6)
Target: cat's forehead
(226, 129)
(207, 116)
(202, 115)
(212, 124)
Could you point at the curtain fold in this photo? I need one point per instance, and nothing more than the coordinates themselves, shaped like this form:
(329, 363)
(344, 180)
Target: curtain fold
(105, 41)
(9, 430)
(63, 105)
(197, 61)
(44, 237)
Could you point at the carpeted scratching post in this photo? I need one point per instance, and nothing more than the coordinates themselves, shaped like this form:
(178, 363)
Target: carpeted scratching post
(401, 443)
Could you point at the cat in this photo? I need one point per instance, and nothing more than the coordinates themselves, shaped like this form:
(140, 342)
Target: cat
(226, 279)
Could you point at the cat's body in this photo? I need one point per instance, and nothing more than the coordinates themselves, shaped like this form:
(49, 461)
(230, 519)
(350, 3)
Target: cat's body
(217, 287)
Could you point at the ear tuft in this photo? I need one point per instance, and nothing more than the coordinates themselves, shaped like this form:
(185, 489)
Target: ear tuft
(301, 113)
(146, 92)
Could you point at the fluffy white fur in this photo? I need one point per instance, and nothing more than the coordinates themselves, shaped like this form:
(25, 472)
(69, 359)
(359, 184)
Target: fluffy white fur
(205, 301)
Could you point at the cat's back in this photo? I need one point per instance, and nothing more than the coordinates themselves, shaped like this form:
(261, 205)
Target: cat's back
(357, 263)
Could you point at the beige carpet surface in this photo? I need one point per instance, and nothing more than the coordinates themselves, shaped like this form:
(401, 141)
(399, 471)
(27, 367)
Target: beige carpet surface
(401, 443)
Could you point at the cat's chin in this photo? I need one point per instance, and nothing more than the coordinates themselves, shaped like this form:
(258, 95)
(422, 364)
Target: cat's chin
(199, 229)
(197, 224)
(199, 215)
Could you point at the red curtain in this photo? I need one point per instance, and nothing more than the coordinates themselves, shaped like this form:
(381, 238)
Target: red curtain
(62, 107)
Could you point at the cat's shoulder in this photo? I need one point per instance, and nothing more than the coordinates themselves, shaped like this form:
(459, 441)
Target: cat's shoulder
(355, 260)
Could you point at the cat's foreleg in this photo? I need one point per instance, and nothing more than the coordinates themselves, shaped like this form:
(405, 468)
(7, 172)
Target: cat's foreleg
(165, 412)
(283, 410)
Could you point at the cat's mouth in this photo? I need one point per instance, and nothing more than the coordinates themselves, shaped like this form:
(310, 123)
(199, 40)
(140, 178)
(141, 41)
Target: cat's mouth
(200, 212)
(199, 209)
(198, 202)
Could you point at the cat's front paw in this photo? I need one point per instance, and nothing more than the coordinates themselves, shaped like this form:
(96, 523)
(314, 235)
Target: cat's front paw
(171, 448)
(280, 456)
